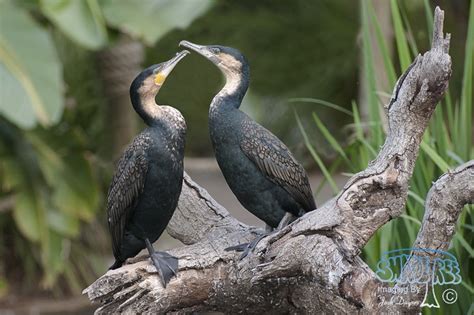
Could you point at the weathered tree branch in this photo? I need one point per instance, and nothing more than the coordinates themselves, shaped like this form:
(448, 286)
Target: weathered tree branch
(204, 218)
(378, 194)
(312, 265)
(444, 204)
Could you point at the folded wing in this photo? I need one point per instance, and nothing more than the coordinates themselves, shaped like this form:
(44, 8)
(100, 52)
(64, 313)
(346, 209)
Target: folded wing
(277, 163)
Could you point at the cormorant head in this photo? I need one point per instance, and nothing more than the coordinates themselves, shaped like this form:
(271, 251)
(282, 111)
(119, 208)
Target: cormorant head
(229, 60)
(149, 81)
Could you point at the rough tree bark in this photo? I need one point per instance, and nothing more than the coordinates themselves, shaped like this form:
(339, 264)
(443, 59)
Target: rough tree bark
(311, 266)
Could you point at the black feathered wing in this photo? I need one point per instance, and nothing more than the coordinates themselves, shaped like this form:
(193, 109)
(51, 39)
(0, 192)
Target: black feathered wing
(125, 189)
(277, 163)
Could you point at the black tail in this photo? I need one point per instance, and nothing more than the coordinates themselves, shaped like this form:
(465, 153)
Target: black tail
(117, 264)
(166, 265)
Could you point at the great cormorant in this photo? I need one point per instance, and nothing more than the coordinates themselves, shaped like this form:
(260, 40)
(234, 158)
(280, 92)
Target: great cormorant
(258, 167)
(146, 186)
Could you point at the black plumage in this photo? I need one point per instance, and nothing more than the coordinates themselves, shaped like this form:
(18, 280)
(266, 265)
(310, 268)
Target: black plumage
(258, 167)
(146, 186)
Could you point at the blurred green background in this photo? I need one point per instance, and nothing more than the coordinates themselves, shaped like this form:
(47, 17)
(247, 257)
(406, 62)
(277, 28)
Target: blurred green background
(321, 71)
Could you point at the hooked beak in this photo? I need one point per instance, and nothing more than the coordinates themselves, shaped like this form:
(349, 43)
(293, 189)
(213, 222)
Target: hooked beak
(202, 50)
(165, 70)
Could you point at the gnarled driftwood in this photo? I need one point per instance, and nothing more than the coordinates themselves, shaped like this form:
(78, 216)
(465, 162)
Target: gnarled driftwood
(311, 266)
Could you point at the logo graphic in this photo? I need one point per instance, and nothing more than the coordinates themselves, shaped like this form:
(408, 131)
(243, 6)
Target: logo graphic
(426, 266)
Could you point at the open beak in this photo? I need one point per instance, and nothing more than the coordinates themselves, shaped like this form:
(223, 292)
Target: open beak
(202, 50)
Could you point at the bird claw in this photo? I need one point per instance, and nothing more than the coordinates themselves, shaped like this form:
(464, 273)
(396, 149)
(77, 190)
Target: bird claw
(251, 246)
(237, 248)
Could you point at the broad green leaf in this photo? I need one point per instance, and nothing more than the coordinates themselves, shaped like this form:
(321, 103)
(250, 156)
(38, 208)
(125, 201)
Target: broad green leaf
(20, 111)
(82, 21)
(151, 19)
(63, 223)
(12, 175)
(30, 72)
(78, 193)
(52, 256)
(75, 190)
(26, 216)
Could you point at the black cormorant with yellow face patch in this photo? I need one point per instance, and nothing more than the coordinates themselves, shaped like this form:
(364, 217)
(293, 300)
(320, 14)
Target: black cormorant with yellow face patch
(258, 167)
(146, 186)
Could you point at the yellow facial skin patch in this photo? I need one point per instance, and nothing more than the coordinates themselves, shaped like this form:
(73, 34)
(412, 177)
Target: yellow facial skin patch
(160, 78)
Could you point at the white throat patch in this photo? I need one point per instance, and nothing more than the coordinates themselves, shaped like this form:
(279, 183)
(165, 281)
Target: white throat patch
(231, 68)
(232, 83)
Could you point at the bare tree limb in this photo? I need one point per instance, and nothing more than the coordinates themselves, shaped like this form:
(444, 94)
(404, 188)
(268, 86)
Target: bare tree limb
(378, 194)
(444, 204)
(312, 265)
(204, 217)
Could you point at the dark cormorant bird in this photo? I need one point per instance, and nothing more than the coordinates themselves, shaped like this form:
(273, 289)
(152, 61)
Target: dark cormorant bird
(259, 168)
(146, 186)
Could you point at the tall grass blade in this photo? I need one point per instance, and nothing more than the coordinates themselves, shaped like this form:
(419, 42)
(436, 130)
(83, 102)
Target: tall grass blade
(467, 87)
(400, 37)
(429, 18)
(382, 43)
(316, 157)
(369, 72)
(438, 160)
(321, 102)
(330, 138)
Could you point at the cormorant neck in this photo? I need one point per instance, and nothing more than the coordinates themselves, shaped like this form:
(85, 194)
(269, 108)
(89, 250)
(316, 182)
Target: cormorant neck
(231, 95)
(143, 101)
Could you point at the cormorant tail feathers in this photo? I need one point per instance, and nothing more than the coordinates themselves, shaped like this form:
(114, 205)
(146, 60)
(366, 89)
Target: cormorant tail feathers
(117, 264)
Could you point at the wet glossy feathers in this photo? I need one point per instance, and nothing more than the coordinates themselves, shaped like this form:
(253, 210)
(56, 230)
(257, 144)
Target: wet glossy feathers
(276, 162)
(127, 185)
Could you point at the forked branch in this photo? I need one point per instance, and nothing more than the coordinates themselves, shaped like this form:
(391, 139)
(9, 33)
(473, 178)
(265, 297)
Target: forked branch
(312, 265)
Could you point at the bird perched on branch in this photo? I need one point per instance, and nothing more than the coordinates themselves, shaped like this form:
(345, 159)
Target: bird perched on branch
(258, 167)
(146, 186)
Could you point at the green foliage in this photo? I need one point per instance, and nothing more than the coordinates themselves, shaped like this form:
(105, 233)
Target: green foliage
(30, 70)
(29, 66)
(82, 21)
(53, 193)
(151, 19)
(53, 170)
(447, 143)
(85, 22)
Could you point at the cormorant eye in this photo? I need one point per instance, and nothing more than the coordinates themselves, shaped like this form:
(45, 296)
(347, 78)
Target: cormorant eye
(215, 50)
